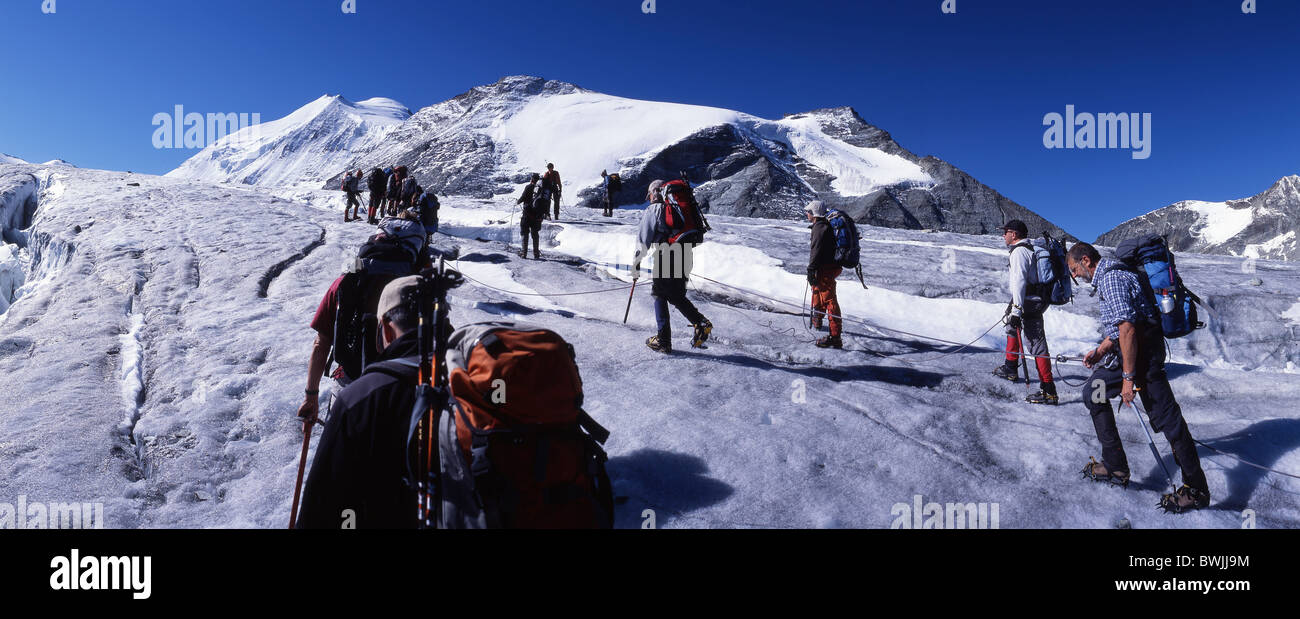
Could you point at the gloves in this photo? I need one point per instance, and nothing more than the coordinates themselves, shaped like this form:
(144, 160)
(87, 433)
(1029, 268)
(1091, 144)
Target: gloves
(1014, 322)
(812, 276)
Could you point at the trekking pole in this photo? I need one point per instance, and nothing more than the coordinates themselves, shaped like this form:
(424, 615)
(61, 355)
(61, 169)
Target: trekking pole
(302, 465)
(629, 302)
(1024, 359)
(1151, 442)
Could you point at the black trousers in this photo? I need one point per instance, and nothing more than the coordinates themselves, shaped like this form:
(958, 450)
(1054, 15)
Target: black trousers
(1157, 398)
(530, 227)
(672, 290)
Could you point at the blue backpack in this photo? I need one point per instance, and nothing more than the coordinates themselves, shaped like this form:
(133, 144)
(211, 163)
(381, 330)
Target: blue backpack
(1149, 257)
(847, 252)
(1053, 274)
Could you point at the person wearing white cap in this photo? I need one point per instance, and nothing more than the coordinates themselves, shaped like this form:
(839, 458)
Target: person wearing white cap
(822, 272)
(361, 460)
(668, 277)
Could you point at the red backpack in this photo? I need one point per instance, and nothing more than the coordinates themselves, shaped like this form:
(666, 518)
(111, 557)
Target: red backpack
(516, 448)
(682, 213)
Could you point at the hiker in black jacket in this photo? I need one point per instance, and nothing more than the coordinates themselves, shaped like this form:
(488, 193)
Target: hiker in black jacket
(552, 180)
(378, 184)
(530, 218)
(350, 188)
(361, 460)
(822, 271)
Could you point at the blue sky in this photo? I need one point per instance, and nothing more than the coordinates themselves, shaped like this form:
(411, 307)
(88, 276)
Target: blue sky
(1222, 87)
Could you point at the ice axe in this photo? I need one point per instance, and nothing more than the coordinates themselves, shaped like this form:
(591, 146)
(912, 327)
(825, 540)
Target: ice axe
(629, 302)
(1024, 358)
(302, 465)
(1151, 442)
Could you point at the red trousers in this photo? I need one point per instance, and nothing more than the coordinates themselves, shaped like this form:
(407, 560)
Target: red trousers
(1035, 343)
(823, 298)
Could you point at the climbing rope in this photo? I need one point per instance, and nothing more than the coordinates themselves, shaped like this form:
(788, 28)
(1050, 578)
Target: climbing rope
(1245, 461)
(539, 294)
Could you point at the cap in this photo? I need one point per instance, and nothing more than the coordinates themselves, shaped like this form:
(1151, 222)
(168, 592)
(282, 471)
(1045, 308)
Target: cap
(817, 208)
(1017, 225)
(399, 292)
(653, 190)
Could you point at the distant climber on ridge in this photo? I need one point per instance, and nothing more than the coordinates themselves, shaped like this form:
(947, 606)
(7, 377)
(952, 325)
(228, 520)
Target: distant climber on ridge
(610, 185)
(350, 181)
(551, 180)
(378, 185)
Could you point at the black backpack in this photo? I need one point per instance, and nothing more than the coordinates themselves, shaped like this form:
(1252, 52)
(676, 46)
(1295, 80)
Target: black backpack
(615, 183)
(355, 324)
(428, 210)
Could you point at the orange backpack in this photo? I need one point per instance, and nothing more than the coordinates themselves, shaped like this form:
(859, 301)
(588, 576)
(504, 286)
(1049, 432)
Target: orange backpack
(516, 448)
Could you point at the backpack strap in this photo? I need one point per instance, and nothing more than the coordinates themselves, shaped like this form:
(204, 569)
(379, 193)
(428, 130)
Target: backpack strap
(597, 431)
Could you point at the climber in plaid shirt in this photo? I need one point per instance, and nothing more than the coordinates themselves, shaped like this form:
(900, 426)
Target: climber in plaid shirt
(1131, 324)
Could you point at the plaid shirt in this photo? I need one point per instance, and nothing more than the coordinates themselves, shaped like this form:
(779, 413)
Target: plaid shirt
(1122, 299)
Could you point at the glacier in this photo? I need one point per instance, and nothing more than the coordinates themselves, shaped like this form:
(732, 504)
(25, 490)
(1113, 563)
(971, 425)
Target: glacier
(157, 352)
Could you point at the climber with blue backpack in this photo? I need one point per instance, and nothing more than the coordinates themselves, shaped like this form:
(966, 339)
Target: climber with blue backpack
(1038, 279)
(833, 246)
(1130, 361)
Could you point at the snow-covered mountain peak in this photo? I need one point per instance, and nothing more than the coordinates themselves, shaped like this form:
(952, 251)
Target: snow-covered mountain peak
(307, 146)
(485, 141)
(1261, 226)
(1285, 192)
(383, 106)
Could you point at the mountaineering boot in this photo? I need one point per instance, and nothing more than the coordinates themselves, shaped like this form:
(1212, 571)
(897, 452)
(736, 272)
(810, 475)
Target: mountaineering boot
(1008, 371)
(830, 341)
(537, 254)
(702, 331)
(523, 253)
(1096, 471)
(1047, 395)
(1187, 498)
(654, 345)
